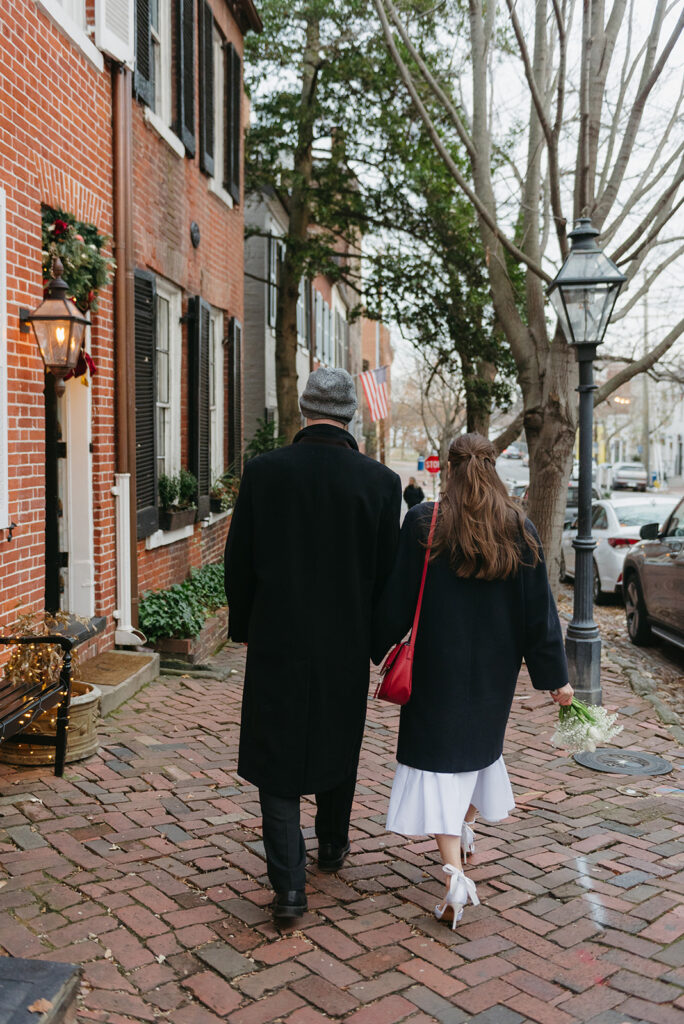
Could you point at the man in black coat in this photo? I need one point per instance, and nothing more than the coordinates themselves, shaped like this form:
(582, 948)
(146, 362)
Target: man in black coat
(312, 541)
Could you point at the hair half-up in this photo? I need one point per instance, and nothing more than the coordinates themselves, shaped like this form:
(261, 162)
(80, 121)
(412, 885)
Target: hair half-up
(479, 527)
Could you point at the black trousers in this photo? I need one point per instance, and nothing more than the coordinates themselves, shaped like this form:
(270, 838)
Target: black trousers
(283, 839)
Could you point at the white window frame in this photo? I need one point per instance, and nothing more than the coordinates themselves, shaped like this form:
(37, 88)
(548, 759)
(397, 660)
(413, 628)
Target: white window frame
(216, 180)
(216, 395)
(171, 294)
(60, 15)
(301, 313)
(161, 60)
(4, 422)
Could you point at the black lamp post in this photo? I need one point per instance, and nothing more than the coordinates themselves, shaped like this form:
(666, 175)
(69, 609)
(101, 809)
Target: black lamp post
(583, 295)
(59, 327)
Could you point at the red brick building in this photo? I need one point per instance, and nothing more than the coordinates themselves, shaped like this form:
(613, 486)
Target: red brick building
(153, 159)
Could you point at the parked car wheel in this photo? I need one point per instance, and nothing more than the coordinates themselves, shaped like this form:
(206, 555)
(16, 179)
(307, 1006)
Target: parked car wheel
(637, 624)
(599, 595)
(562, 574)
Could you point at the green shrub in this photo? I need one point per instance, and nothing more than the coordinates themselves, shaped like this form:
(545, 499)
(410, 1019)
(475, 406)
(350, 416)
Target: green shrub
(187, 489)
(168, 490)
(265, 440)
(182, 609)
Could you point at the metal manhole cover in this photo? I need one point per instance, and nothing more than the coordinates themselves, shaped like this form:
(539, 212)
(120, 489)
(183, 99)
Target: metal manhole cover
(624, 762)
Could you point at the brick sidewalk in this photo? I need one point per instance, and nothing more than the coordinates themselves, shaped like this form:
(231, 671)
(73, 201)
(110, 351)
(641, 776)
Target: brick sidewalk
(145, 865)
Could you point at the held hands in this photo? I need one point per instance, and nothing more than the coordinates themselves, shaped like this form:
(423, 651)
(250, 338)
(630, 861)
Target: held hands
(563, 696)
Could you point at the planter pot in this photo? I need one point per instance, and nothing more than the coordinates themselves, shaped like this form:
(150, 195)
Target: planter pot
(179, 652)
(81, 737)
(173, 519)
(215, 504)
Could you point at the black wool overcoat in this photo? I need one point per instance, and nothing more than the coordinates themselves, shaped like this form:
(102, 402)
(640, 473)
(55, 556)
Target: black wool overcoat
(312, 541)
(472, 637)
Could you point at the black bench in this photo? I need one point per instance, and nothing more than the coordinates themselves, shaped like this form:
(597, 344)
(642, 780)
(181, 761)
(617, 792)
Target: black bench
(21, 703)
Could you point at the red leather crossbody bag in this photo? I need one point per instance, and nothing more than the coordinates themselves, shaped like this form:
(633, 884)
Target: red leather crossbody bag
(396, 674)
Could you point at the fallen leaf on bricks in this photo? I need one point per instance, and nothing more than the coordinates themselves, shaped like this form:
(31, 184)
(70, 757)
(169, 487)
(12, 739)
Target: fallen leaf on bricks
(40, 1006)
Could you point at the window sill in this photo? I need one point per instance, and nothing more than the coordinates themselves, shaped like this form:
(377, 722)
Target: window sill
(215, 517)
(161, 538)
(167, 134)
(74, 32)
(220, 193)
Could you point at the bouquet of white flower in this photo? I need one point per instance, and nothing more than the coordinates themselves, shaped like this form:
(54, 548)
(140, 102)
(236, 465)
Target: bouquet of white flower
(581, 727)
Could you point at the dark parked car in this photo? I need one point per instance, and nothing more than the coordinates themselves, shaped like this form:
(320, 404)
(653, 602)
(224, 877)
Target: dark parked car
(653, 582)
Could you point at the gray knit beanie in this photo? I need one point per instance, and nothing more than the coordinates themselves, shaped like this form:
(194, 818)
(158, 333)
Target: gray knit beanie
(329, 395)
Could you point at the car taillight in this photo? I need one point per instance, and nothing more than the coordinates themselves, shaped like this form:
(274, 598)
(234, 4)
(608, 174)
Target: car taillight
(622, 542)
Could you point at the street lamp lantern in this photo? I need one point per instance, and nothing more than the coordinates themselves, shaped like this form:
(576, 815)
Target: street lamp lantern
(583, 294)
(586, 288)
(59, 327)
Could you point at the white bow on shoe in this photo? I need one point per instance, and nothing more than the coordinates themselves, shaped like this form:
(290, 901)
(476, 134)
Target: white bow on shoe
(467, 841)
(461, 889)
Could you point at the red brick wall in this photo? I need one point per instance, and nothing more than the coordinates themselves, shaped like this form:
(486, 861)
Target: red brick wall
(55, 148)
(169, 193)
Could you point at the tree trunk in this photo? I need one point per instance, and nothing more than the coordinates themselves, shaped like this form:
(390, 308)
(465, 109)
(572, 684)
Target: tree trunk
(550, 431)
(289, 416)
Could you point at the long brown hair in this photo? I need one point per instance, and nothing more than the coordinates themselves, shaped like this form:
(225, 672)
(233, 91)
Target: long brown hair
(480, 527)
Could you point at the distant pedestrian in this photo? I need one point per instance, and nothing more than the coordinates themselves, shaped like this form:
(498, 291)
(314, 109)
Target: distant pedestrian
(486, 606)
(413, 494)
(312, 541)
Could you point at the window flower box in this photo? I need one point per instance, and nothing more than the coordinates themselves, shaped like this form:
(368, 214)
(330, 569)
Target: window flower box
(174, 519)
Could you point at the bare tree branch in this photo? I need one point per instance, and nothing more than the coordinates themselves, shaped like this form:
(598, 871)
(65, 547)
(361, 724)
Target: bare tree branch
(482, 211)
(549, 136)
(510, 434)
(659, 213)
(650, 75)
(650, 278)
(639, 365)
(432, 82)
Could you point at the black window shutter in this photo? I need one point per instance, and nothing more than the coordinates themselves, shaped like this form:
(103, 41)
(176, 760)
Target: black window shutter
(200, 430)
(234, 417)
(184, 71)
(145, 404)
(143, 79)
(233, 105)
(205, 30)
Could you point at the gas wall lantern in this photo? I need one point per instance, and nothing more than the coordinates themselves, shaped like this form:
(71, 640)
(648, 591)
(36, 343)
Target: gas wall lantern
(59, 327)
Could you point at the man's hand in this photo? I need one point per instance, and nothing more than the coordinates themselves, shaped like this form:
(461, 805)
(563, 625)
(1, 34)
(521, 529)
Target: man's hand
(563, 696)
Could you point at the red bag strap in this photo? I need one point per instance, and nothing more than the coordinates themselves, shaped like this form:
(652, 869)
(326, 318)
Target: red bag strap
(414, 627)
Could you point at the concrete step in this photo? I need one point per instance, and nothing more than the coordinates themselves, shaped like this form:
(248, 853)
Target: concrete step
(24, 982)
(119, 675)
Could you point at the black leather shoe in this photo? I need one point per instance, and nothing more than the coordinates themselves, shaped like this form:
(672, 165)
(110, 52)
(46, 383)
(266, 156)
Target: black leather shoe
(289, 904)
(331, 858)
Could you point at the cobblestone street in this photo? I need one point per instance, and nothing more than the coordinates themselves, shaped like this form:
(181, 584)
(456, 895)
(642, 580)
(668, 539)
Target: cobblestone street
(144, 864)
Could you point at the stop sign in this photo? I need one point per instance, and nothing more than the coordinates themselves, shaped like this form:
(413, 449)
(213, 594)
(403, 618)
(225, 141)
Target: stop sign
(432, 463)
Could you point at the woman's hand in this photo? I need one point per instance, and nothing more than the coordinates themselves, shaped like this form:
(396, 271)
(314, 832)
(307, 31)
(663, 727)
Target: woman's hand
(563, 696)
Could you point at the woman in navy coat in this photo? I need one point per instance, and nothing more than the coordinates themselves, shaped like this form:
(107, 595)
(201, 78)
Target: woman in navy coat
(487, 606)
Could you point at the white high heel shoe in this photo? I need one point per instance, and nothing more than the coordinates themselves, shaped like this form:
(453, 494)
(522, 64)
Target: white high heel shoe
(461, 889)
(467, 840)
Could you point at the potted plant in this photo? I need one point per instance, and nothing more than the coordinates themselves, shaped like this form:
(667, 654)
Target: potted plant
(177, 500)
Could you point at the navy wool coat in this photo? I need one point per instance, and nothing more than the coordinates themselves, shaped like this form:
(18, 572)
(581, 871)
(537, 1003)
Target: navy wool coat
(472, 637)
(312, 541)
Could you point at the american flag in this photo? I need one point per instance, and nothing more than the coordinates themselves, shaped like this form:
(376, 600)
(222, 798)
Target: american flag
(375, 389)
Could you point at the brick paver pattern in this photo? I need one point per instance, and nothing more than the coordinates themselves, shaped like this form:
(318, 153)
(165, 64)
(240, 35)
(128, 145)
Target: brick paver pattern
(145, 865)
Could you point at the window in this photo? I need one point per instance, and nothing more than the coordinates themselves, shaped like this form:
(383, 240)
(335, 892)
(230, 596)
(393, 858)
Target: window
(4, 488)
(158, 345)
(339, 340)
(599, 519)
(318, 310)
(160, 39)
(169, 344)
(70, 18)
(234, 416)
(276, 251)
(301, 313)
(165, 67)
(163, 387)
(216, 392)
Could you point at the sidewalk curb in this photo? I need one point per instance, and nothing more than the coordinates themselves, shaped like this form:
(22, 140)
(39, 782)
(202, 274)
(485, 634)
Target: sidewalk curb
(645, 687)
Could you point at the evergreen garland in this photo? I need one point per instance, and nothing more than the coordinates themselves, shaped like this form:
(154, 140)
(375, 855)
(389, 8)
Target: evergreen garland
(81, 248)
